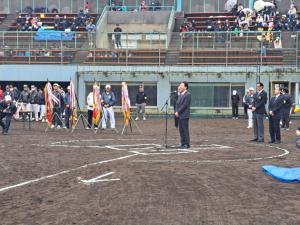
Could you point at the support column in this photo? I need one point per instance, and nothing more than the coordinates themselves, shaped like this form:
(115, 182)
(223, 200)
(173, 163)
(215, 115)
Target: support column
(251, 4)
(179, 6)
(297, 93)
(164, 88)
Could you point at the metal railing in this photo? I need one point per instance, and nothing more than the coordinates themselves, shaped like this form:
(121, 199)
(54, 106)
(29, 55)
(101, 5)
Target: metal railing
(193, 49)
(68, 6)
(73, 6)
(230, 39)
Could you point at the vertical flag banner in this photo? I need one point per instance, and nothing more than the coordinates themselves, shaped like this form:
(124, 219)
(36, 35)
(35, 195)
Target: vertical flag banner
(73, 104)
(48, 102)
(49, 99)
(97, 108)
(125, 104)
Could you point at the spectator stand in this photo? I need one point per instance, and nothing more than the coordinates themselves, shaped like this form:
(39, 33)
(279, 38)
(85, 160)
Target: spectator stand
(126, 57)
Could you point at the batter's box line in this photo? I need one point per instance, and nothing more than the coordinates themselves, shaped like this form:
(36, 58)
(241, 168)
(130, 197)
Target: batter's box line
(105, 139)
(133, 147)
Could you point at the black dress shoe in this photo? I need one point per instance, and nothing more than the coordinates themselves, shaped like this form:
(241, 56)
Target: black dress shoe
(253, 140)
(184, 147)
(277, 142)
(272, 141)
(261, 141)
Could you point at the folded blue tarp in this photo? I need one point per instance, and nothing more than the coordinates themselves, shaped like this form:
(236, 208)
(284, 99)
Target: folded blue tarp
(53, 35)
(282, 173)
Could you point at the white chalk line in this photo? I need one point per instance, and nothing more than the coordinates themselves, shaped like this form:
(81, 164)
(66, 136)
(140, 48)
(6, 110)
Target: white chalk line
(64, 172)
(97, 179)
(109, 139)
(154, 149)
(285, 152)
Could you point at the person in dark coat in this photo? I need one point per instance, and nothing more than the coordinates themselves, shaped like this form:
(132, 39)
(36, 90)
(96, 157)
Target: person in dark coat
(235, 99)
(275, 113)
(42, 105)
(68, 111)
(258, 109)
(118, 32)
(141, 101)
(182, 112)
(7, 110)
(57, 107)
(287, 105)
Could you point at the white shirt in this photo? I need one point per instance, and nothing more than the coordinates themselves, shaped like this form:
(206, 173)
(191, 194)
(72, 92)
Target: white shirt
(183, 92)
(90, 101)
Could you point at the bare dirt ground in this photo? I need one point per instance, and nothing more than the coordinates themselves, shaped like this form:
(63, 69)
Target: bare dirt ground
(47, 178)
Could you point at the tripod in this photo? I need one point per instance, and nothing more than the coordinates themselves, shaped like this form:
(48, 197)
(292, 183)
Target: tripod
(130, 126)
(55, 114)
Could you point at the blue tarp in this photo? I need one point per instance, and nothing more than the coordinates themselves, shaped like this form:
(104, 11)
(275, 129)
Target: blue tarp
(53, 35)
(282, 173)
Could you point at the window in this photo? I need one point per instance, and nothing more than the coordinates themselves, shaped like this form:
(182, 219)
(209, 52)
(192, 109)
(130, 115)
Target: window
(213, 94)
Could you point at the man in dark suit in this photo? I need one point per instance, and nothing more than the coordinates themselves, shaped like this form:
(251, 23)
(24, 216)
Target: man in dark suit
(287, 105)
(7, 110)
(258, 109)
(182, 112)
(275, 113)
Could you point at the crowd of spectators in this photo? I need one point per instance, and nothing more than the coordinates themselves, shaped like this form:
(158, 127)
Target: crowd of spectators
(31, 22)
(267, 19)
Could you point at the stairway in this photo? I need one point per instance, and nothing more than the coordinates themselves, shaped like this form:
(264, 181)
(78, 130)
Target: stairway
(8, 21)
(172, 52)
(175, 42)
(172, 57)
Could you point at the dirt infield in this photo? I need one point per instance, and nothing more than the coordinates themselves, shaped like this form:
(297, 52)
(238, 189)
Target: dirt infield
(108, 179)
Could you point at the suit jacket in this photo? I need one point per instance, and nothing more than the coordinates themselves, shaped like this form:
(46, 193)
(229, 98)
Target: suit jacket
(287, 102)
(260, 100)
(183, 104)
(276, 106)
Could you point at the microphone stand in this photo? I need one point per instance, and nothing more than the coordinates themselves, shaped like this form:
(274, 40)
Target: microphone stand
(166, 107)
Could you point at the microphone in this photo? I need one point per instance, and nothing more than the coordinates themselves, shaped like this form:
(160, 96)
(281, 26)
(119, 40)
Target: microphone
(173, 92)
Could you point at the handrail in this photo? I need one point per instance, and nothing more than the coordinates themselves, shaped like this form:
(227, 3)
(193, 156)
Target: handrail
(143, 33)
(103, 14)
(137, 8)
(171, 19)
(170, 26)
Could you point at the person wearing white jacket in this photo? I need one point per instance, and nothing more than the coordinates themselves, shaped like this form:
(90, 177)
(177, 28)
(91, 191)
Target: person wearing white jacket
(249, 102)
(90, 102)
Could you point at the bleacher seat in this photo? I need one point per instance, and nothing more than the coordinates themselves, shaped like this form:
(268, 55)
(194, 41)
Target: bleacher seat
(36, 56)
(230, 57)
(127, 57)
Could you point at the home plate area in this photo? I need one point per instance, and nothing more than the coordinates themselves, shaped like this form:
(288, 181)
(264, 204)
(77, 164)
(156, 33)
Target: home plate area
(204, 152)
(156, 149)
